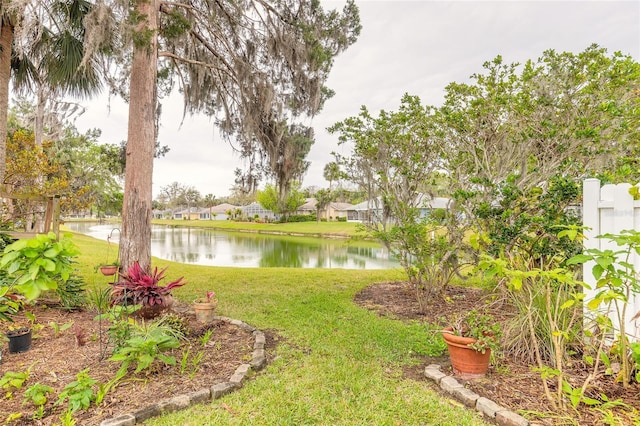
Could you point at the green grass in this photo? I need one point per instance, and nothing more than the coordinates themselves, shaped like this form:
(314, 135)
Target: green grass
(341, 229)
(338, 364)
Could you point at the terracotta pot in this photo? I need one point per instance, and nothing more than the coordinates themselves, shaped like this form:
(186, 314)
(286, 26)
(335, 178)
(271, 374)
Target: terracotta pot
(467, 363)
(108, 270)
(205, 311)
(150, 312)
(19, 340)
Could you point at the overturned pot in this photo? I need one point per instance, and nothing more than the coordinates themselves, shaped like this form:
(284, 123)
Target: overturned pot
(19, 340)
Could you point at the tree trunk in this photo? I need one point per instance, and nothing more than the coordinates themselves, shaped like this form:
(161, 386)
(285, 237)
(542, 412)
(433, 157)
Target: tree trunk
(135, 244)
(38, 135)
(6, 40)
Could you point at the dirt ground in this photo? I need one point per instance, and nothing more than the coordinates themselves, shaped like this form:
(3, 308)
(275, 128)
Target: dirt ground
(510, 382)
(55, 358)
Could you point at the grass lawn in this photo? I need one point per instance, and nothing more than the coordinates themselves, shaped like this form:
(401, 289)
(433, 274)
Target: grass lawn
(342, 229)
(339, 364)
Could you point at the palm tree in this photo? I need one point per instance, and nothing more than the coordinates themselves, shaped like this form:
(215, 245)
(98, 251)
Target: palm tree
(210, 201)
(323, 198)
(192, 197)
(331, 172)
(53, 67)
(48, 63)
(7, 22)
(47, 58)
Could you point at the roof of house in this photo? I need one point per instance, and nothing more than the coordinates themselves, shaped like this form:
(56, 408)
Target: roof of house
(255, 206)
(365, 205)
(223, 208)
(341, 206)
(310, 204)
(426, 201)
(190, 210)
(423, 201)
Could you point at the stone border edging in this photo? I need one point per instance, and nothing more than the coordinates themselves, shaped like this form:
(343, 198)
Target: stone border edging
(180, 402)
(502, 416)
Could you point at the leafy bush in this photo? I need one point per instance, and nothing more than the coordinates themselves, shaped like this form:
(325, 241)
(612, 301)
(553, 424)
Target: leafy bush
(38, 264)
(299, 218)
(121, 323)
(120, 329)
(480, 326)
(147, 343)
(37, 394)
(5, 240)
(72, 293)
(8, 306)
(14, 380)
(79, 392)
(176, 323)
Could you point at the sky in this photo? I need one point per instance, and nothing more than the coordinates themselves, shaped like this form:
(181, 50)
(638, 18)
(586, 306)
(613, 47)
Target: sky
(414, 47)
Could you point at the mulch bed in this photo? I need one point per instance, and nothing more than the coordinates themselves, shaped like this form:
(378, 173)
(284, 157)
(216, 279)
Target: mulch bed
(54, 360)
(511, 383)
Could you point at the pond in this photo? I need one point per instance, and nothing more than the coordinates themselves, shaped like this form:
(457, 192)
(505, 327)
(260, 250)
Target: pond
(248, 250)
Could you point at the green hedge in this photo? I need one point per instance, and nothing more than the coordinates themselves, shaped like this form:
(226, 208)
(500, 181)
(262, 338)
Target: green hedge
(299, 218)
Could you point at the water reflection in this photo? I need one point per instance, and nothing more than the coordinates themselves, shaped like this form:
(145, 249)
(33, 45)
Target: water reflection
(219, 248)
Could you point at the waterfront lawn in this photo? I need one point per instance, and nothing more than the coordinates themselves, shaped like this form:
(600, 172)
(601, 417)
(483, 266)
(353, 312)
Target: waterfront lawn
(336, 364)
(341, 229)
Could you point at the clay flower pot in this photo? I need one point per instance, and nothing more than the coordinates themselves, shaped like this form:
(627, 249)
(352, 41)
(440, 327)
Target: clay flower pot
(19, 340)
(205, 310)
(467, 363)
(153, 311)
(108, 270)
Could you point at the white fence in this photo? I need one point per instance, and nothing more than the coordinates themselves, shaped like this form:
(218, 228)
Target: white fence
(610, 209)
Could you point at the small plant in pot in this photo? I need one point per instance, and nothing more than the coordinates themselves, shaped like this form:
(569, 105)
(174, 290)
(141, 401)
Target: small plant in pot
(205, 307)
(470, 340)
(23, 326)
(108, 269)
(139, 287)
(29, 267)
(19, 337)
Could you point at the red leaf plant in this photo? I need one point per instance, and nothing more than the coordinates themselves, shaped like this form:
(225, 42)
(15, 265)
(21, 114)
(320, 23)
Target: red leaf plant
(140, 287)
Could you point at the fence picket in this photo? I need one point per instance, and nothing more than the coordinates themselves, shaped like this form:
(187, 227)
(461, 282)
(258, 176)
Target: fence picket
(610, 209)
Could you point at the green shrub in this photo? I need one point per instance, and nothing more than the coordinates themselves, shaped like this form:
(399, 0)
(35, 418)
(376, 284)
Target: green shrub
(176, 323)
(72, 292)
(147, 343)
(5, 240)
(79, 392)
(299, 218)
(99, 299)
(38, 264)
(37, 394)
